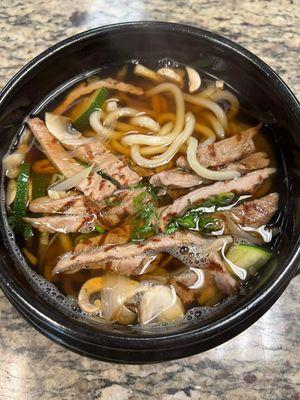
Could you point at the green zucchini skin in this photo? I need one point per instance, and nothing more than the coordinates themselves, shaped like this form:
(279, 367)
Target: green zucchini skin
(82, 122)
(20, 204)
(250, 258)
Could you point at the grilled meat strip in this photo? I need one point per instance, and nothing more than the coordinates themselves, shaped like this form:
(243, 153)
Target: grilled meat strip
(225, 151)
(94, 186)
(254, 213)
(63, 223)
(177, 178)
(111, 165)
(90, 259)
(86, 88)
(246, 184)
(73, 204)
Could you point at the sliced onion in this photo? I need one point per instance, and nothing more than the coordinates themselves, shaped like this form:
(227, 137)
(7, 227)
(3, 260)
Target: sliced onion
(194, 79)
(61, 128)
(160, 304)
(200, 278)
(238, 271)
(74, 180)
(220, 84)
(205, 172)
(171, 75)
(11, 191)
(145, 122)
(170, 152)
(116, 290)
(11, 164)
(55, 195)
(263, 231)
(238, 232)
(147, 73)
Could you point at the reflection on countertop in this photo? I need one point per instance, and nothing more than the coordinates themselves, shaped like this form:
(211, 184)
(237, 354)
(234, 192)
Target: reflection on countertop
(262, 362)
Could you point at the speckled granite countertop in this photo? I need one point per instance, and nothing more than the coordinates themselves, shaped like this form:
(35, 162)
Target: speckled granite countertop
(261, 363)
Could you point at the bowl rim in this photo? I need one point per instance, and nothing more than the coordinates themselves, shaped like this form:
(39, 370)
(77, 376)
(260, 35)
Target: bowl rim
(260, 300)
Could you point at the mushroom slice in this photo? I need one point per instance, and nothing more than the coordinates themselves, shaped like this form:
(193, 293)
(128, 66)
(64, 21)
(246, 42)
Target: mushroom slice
(160, 304)
(171, 75)
(89, 288)
(194, 79)
(116, 290)
(147, 73)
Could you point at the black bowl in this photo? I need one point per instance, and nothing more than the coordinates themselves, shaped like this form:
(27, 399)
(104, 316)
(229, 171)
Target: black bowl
(262, 91)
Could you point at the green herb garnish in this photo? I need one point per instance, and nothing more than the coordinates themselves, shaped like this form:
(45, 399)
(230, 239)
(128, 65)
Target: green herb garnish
(109, 178)
(145, 221)
(100, 229)
(199, 218)
(112, 201)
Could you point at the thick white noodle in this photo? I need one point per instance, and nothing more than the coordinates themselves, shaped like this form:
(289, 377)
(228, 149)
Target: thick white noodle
(217, 127)
(227, 96)
(172, 149)
(96, 124)
(162, 140)
(214, 107)
(205, 172)
(179, 101)
(111, 118)
(145, 121)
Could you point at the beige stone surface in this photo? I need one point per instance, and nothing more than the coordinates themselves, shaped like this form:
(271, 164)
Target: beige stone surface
(262, 362)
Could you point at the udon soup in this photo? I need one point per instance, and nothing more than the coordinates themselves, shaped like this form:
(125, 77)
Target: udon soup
(143, 193)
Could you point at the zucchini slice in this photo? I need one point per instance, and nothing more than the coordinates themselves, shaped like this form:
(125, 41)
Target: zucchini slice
(19, 207)
(81, 112)
(245, 259)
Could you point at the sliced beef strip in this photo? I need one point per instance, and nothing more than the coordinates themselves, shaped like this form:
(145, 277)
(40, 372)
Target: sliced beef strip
(86, 88)
(178, 178)
(110, 164)
(94, 186)
(73, 204)
(63, 223)
(253, 213)
(246, 184)
(224, 151)
(255, 161)
(206, 247)
(124, 200)
(175, 178)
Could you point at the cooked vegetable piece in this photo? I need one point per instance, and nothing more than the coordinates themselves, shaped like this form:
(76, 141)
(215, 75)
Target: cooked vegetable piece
(21, 201)
(198, 218)
(65, 242)
(144, 221)
(43, 167)
(100, 229)
(40, 183)
(30, 257)
(81, 112)
(249, 258)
